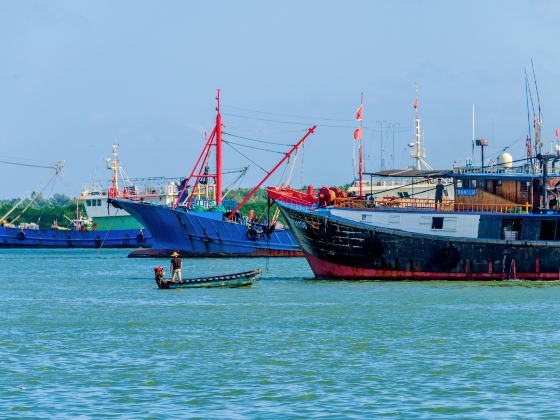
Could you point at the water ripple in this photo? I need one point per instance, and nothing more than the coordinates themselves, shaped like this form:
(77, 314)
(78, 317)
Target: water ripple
(88, 334)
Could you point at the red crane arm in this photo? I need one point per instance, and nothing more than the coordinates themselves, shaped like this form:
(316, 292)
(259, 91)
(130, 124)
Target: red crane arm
(286, 156)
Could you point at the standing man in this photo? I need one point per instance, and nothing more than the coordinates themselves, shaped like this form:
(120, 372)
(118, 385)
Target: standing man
(175, 266)
(439, 192)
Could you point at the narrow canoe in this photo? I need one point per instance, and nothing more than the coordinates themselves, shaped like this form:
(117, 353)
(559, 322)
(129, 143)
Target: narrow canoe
(245, 279)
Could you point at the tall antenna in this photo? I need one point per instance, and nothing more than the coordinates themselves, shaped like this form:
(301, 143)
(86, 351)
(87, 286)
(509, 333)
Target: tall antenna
(528, 142)
(115, 168)
(417, 152)
(472, 146)
(538, 119)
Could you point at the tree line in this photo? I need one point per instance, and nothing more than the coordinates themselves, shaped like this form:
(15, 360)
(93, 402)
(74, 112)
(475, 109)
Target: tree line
(43, 211)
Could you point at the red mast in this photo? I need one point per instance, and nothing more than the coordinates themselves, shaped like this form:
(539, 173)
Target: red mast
(198, 173)
(218, 153)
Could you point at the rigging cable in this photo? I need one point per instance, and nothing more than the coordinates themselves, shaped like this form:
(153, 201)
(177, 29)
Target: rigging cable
(253, 147)
(31, 165)
(369, 128)
(246, 157)
(256, 140)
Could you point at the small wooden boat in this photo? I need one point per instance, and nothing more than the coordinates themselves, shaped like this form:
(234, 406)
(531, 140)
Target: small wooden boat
(245, 279)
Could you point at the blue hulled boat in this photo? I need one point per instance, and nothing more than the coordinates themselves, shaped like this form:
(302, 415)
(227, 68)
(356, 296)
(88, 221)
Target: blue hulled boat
(202, 224)
(207, 233)
(25, 237)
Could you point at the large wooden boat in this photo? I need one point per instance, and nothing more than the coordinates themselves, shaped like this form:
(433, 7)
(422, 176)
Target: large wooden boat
(501, 225)
(245, 279)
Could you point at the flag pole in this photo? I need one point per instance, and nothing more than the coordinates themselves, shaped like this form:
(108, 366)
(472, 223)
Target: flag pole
(361, 149)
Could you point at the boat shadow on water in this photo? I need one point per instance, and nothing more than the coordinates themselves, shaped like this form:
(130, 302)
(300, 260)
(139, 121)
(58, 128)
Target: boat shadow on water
(445, 283)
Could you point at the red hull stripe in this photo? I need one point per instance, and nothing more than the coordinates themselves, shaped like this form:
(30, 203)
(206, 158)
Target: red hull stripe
(328, 270)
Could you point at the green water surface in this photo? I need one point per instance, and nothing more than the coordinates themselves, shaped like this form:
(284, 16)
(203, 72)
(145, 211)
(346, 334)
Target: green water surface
(88, 334)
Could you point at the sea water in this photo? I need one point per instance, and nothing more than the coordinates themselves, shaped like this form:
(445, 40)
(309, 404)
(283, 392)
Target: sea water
(88, 334)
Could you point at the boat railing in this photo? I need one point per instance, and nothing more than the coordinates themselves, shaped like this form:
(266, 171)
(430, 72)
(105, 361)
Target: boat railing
(426, 204)
(293, 197)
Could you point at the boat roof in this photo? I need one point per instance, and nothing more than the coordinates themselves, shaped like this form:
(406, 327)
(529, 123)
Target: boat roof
(496, 172)
(413, 173)
(519, 173)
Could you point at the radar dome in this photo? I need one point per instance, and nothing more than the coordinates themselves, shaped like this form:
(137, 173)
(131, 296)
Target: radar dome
(505, 160)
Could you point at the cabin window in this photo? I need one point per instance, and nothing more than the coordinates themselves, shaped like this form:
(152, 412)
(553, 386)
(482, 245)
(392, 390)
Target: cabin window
(88, 203)
(548, 228)
(511, 230)
(466, 183)
(524, 186)
(94, 203)
(437, 222)
(98, 202)
(498, 182)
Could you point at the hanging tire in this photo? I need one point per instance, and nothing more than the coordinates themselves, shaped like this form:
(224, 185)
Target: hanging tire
(140, 237)
(21, 235)
(253, 234)
(447, 257)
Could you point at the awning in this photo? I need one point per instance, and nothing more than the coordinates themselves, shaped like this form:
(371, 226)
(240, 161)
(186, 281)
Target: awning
(412, 173)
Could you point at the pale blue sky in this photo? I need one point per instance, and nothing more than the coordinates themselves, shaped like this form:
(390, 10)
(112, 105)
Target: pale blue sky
(76, 75)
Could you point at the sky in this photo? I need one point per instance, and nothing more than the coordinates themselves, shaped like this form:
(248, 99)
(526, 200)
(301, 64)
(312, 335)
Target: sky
(77, 76)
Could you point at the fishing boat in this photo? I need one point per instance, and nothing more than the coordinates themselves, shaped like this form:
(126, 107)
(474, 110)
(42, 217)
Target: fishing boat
(201, 223)
(503, 223)
(94, 196)
(80, 233)
(245, 279)
(102, 227)
(500, 226)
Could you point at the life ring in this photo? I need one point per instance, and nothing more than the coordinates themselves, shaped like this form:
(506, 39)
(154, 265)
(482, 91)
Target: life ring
(447, 257)
(140, 237)
(21, 235)
(253, 234)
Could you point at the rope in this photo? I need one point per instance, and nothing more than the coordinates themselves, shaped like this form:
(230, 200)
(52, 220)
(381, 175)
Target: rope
(369, 128)
(26, 164)
(307, 117)
(246, 157)
(253, 147)
(44, 207)
(259, 141)
(107, 234)
(235, 181)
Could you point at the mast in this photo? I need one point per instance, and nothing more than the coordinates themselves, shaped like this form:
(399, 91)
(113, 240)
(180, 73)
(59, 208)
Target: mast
(360, 145)
(472, 145)
(115, 169)
(218, 153)
(200, 172)
(538, 118)
(418, 151)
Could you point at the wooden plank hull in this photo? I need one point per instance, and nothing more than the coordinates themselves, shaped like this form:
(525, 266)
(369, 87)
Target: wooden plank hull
(338, 248)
